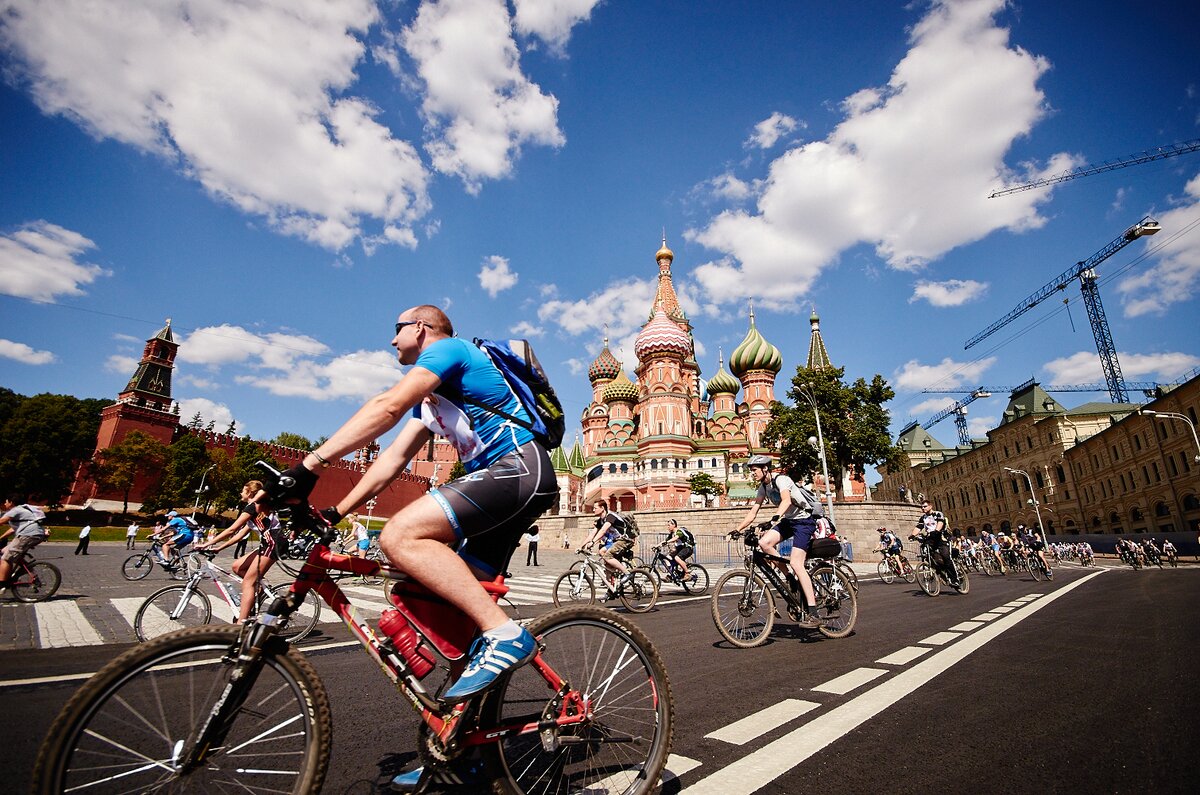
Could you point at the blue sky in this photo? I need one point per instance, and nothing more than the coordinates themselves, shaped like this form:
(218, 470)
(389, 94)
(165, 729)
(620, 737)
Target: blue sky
(282, 178)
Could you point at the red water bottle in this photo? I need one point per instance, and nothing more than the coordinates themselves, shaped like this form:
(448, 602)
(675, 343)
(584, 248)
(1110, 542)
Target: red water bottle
(407, 643)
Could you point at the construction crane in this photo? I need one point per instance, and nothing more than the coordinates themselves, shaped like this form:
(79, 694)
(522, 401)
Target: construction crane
(959, 411)
(1085, 271)
(1158, 153)
(1132, 386)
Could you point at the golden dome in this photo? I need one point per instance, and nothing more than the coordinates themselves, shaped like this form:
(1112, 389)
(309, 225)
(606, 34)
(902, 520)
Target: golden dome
(621, 389)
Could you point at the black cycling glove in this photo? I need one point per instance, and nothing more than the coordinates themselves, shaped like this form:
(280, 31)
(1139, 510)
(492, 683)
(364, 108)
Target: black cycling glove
(331, 515)
(295, 485)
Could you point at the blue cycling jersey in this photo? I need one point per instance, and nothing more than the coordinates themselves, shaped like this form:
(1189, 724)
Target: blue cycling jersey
(481, 437)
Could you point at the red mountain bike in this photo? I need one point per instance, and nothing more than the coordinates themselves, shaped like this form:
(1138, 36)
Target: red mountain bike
(238, 709)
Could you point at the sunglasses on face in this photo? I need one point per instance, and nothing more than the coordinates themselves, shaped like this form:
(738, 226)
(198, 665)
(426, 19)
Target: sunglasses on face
(404, 323)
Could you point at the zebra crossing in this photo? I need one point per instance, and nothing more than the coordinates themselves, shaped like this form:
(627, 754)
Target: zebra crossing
(85, 621)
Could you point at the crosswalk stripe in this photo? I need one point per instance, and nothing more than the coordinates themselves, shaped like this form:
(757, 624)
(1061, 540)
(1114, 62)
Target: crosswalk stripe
(62, 624)
(128, 606)
(753, 726)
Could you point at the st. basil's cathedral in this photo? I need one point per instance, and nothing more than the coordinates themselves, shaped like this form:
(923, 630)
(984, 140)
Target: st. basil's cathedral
(642, 441)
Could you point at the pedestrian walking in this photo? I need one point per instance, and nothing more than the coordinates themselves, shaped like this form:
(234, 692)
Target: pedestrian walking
(566, 540)
(85, 536)
(131, 536)
(531, 538)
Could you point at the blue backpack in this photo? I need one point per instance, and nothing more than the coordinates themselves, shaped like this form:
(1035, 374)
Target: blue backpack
(520, 367)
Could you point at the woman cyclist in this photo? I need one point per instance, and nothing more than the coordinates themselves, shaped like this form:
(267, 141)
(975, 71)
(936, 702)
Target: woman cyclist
(252, 566)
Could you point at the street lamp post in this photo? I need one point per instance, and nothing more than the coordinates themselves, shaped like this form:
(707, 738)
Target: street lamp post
(200, 490)
(1181, 418)
(370, 509)
(819, 444)
(1032, 501)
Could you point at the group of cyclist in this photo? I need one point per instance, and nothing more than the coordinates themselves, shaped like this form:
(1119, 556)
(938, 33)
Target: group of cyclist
(1146, 552)
(615, 536)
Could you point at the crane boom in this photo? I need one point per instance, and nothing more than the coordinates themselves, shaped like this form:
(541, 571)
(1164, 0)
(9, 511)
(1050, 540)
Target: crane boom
(1147, 156)
(1142, 227)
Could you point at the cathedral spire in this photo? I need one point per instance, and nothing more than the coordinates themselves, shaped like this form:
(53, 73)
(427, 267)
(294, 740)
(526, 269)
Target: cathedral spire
(818, 356)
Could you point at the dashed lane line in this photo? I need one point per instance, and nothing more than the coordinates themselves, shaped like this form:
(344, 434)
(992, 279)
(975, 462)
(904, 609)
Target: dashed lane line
(850, 681)
(753, 726)
(904, 656)
(940, 638)
(755, 770)
(966, 626)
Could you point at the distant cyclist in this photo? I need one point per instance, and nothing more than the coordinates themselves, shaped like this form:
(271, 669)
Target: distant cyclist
(683, 544)
(179, 534)
(891, 546)
(931, 529)
(27, 526)
(619, 552)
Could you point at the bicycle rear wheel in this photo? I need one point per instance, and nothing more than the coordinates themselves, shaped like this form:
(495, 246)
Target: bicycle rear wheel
(615, 678)
(640, 592)
(907, 571)
(743, 608)
(574, 586)
(700, 585)
(301, 622)
(37, 583)
(115, 735)
(837, 604)
(171, 608)
(137, 567)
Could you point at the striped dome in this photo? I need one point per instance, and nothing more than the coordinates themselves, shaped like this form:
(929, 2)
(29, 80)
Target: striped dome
(621, 389)
(662, 336)
(755, 353)
(723, 383)
(605, 366)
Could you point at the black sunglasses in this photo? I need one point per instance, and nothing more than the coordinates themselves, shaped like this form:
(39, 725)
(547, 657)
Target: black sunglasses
(404, 323)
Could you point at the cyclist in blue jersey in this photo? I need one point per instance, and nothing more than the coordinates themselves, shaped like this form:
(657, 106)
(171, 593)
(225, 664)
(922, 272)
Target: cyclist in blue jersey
(179, 534)
(510, 482)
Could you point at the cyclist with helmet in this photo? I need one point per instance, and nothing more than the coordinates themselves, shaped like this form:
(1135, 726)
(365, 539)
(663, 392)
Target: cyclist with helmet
(681, 544)
(931, 529)
(798, 512)
(891, 546)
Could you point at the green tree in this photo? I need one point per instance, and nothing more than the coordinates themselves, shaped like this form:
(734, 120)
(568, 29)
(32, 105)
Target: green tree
(119, 466)
(456, 472)
(187, 459)
(854, 424)
(289, 439)
(43, 441)
(240, 470)
(703, 484)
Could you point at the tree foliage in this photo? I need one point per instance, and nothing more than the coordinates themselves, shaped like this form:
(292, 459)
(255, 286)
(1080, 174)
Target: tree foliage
(703, 484)
(187, 459)
(854, 423)
(118, 467)
(43, 440)
(289, 439)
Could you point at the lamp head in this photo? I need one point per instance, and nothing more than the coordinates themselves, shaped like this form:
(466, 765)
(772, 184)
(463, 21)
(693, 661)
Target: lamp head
(1148, 412)
(812, 440)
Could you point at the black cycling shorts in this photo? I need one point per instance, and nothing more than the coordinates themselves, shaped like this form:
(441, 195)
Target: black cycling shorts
(490, 509)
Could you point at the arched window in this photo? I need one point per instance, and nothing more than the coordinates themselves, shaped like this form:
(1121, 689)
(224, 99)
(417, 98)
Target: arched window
(612, 469)
(1190, 503)
(1161, 509)
(1114, 518)
(624, 468)
(1095, 521)
(1135, 513)
(654, 463)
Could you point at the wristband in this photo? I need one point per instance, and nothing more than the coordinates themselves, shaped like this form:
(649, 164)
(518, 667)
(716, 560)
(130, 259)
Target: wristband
(322, 461)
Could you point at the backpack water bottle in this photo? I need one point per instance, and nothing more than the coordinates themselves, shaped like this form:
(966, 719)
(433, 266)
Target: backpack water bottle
(407, 643)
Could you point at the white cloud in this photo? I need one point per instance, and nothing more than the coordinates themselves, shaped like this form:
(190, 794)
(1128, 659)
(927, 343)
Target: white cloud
(215, 346)
(768, 131)
(907, 170)
(478, 105)
(978, 427)
(496, 276)
(236, 94)
(952, 292)
(933, 405)
(730, 188)
(946, 374)
(527, 329)
(622, 308)
(20, 352)
(121, 364)
(217, 413)
(40, 261)
(1175, 276)
(357, 376)
(1084, 367)
(551, 20)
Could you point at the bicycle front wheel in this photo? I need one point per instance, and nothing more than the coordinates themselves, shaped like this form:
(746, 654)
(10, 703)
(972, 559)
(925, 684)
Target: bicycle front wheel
(885, 572)
(171, 608)
(907, 571)
(115, 735)
(848, 572)
(837, 604)
(1035, 569)
(639, 593)
(928, 580)
(743, 608)
(38, 583)
(137, 567)
(698, 585)
(615, 678)
(572, 587)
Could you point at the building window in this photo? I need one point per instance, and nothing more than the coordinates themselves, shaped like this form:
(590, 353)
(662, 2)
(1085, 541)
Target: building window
(624, 469)
(1137, 442)
(1161, 509)
(654, 463)
(700, 463)
(1157, 472)
(1041, 483)
(1062, 475)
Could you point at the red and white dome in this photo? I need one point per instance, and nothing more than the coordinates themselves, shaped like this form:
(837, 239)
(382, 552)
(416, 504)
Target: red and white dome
(662, 336)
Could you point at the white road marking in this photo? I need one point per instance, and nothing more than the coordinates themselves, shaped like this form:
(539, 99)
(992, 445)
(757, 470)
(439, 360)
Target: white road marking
(678, 765)
(904, 656)
(988, 616)
(62, 624)
(128, 606)
(850, 681)
(752, 726)
(966, 626)
(1003, 609)
(939, 638)
(754, 771)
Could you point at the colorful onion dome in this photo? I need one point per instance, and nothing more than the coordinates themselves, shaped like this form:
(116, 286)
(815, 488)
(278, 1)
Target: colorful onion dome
(621, 389)
(723, 382)
(755, 353)
(661, 336)
(605, 366)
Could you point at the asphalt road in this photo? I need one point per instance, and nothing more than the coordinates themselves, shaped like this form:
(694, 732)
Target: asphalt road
(1079, 685)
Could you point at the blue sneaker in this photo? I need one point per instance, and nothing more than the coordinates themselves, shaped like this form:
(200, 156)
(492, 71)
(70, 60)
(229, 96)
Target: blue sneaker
(462, 774)
(491, 659)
